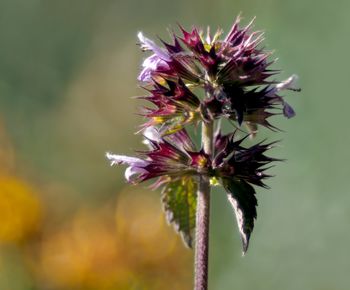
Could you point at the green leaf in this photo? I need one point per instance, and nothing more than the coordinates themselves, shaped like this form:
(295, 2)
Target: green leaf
(179, 199)
(241, 196)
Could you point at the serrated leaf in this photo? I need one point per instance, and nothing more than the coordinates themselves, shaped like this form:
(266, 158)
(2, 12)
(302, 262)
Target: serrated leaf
(241, 196)
(179, 199)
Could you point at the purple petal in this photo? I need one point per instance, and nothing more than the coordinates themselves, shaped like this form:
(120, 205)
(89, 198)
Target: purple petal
(151, 64)
(288, 110)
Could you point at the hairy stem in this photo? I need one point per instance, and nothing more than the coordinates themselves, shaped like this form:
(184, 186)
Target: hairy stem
(202, 216)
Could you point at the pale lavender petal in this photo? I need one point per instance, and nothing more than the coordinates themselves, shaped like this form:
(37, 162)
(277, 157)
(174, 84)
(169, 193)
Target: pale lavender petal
(145, 75)
(131, 173)
(122, 159)
(288, 84)
(151, 64)
(147, 44)
(152, 133)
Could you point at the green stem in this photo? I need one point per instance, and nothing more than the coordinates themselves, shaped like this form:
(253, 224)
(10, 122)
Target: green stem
(202, 216)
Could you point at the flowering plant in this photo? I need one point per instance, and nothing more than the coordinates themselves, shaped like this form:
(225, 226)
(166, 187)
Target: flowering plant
(234, 74)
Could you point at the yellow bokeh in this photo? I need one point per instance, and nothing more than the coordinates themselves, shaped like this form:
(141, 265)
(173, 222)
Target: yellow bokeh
(20, 210)
(84, 252)
(103, 248)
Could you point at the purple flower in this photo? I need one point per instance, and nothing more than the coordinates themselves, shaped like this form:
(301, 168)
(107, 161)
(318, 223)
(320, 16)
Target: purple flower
(155, 62)
(151, 64)
(168, 157)
(175, 162)
(232, 160)
(199, 78)
(136, 165)
(234, 72)
(175, 155)
(175, 106)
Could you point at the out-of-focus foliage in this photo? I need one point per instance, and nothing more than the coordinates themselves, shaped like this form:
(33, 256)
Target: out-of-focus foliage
(67, 72)
(122, 244)
(98, 249)
(20, 207)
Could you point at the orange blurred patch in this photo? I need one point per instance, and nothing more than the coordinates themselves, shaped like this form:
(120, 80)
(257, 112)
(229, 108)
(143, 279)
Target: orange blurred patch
(20, 210)
(131, 248)
(83, 252)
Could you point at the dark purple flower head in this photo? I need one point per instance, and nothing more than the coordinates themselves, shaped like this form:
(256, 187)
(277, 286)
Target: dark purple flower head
(172, 156)
(232, 160)
(175, 106)
(175, 155)
(235, 59)
(253, 106)
(234, 72)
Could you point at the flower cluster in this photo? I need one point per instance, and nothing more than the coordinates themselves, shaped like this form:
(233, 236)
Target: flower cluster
(235, 75)
(233, 71)
(171, 156)
(173, 159)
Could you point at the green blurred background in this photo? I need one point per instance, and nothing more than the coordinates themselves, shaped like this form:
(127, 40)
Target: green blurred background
(68, 221)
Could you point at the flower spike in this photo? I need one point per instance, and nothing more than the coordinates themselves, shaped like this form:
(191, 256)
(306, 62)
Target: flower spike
(202, 78)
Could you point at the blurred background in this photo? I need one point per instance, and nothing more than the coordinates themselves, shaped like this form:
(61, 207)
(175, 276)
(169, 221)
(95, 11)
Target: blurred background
(69, 221)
